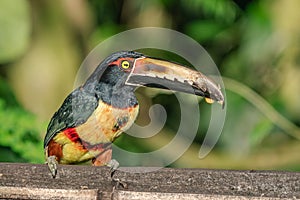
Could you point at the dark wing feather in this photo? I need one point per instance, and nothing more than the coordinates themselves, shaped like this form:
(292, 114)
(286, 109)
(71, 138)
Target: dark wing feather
(75, 110)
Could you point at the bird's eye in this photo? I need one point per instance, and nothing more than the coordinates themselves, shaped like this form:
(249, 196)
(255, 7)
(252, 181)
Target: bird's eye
(125, 64)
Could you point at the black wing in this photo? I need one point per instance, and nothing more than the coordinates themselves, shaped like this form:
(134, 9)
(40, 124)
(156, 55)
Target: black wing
(75, 110)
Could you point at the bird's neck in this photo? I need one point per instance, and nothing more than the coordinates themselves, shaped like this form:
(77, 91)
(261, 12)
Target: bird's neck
(118, 95)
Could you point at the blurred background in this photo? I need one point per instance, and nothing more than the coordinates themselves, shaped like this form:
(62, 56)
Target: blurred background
(255, 45)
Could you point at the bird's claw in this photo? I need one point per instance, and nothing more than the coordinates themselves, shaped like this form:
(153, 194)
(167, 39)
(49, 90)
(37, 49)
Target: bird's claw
(114, 165)
(119, 182)
(52, 165)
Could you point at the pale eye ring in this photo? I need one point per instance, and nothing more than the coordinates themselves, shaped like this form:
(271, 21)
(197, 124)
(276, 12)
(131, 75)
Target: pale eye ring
(125, 64)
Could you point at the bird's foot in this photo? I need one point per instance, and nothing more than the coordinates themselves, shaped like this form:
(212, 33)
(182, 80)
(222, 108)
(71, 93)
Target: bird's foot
(52, 165)
(114, 165)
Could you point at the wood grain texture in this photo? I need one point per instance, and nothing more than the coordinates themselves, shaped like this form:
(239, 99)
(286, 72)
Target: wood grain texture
(33, 181)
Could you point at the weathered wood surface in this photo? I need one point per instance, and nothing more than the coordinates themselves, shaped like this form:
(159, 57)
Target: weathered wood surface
(31, 181)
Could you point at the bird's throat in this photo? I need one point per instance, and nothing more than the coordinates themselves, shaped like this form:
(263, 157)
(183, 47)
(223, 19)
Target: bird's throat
(117, 96)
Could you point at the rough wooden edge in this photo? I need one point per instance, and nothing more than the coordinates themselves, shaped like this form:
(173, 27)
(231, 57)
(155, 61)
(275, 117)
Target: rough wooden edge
(31, 181)
(183, 196)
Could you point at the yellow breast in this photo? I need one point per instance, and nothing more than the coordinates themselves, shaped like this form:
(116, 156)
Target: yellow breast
(106, 123)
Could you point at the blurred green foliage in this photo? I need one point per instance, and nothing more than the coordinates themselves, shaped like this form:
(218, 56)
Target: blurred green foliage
(20, 130)
(252, 42)
(15, 29)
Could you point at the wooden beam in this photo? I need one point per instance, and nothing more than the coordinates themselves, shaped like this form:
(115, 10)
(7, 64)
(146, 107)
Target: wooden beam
(33, 181)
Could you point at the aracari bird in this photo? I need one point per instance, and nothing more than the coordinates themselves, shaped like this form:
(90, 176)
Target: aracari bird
(96, 113)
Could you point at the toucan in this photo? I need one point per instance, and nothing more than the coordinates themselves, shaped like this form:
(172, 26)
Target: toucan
(97, 112)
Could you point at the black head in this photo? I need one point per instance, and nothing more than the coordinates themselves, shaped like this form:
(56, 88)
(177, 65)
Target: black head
(112, 68)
